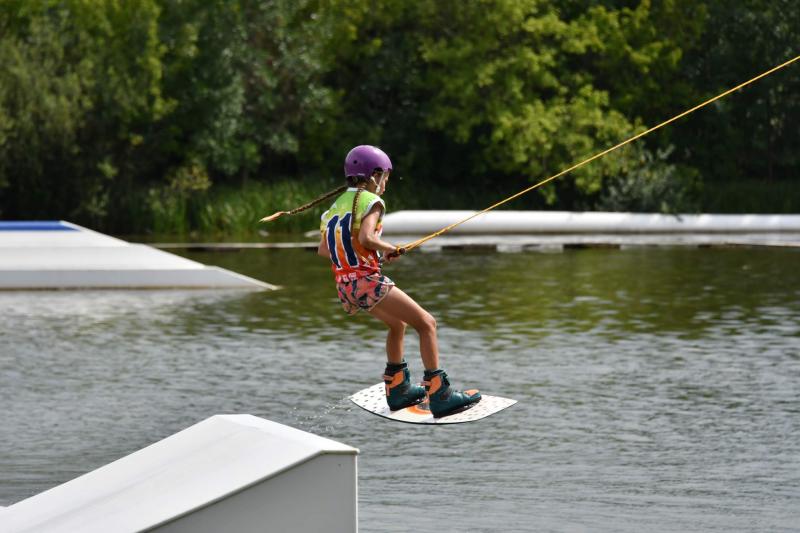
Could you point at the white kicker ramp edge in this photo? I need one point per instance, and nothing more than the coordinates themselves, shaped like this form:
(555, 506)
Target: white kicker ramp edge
(233, 473)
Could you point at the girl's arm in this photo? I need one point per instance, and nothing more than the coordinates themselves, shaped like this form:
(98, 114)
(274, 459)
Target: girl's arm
(367, 236)
(322, 249)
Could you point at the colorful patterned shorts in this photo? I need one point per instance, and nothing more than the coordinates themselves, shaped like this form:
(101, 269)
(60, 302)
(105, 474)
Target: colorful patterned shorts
(363, 293)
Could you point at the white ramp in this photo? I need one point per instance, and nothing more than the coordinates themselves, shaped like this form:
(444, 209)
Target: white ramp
(61, 255)
(231, 473)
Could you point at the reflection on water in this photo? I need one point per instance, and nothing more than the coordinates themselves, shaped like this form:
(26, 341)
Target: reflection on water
(658, 388)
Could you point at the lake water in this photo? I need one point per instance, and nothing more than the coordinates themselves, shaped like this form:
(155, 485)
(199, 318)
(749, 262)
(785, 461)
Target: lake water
(657, 387)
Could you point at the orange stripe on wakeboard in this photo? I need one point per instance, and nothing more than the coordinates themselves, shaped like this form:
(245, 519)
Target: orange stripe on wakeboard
(419, 409)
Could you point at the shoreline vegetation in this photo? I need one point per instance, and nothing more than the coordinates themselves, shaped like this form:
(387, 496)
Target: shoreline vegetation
(151, 116)
(231, 213)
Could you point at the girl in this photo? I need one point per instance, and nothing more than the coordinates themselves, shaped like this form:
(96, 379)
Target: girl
(351, 239)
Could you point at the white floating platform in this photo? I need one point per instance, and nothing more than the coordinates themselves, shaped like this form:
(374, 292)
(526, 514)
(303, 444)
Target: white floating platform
(232, 473)
(558, 242)
(549, 222)
(61, 255)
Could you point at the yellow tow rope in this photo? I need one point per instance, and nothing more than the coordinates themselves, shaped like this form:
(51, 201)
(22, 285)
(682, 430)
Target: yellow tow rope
(412, 245)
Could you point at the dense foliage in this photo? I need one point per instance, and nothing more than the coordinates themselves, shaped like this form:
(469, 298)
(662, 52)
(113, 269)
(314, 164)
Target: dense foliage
(142, 115)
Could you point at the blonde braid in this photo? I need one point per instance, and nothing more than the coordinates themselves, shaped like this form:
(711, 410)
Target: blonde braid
(303, 207)
(355, 205)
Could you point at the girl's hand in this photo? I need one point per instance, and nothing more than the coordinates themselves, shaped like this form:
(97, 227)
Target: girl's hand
(395, 254)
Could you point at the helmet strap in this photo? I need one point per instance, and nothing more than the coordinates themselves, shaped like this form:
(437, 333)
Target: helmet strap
(378, 185)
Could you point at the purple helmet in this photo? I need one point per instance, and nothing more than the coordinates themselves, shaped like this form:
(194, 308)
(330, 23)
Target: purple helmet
(363, 160)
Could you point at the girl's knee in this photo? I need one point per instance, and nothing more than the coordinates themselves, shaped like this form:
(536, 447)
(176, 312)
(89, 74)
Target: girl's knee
(427, 324)
(398, 328)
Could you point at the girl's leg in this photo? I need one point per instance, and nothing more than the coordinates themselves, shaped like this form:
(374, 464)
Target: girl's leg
(443, 400)
(394, 340)
(398, 306)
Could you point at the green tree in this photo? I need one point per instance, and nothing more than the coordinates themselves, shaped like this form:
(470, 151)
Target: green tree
(101, 100)
(754, 133)
(120, 113)
(80, 78)
(503, 89)
(246, 80)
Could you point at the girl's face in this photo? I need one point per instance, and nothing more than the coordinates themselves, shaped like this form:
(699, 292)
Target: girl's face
(379, 181)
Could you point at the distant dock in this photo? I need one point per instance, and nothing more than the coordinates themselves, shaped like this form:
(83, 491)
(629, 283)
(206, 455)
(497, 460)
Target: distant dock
(587, 222)
(61, 255)
(514, 231)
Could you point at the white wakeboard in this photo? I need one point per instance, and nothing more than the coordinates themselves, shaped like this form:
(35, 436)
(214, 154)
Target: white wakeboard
(373, 399)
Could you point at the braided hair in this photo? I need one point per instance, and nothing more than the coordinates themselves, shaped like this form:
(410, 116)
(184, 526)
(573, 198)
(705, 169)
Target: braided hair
(352, 181)
(360, 182)
(309, 205)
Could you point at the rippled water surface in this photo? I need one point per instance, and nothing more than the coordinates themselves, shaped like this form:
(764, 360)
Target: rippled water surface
(658, 388)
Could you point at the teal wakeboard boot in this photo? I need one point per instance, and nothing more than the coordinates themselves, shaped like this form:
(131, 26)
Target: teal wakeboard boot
(443, 399)
(400, 393)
